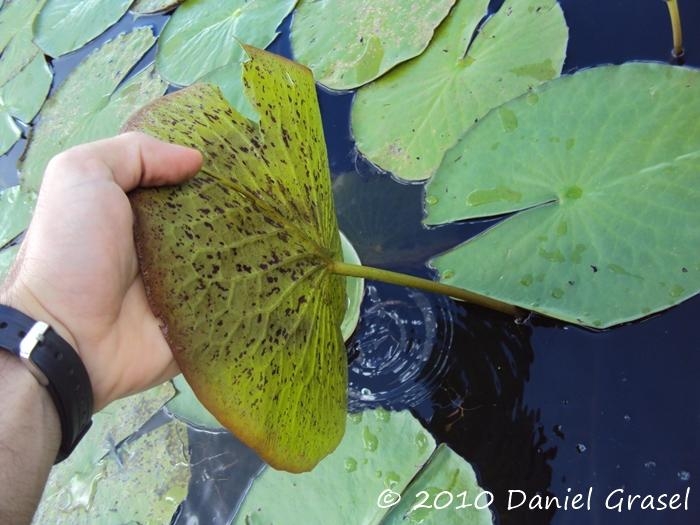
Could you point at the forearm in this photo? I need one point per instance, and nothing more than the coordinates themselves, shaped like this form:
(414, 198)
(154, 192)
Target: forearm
(29, 439)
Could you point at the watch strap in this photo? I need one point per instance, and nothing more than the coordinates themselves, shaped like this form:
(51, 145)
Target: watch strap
(57, 366)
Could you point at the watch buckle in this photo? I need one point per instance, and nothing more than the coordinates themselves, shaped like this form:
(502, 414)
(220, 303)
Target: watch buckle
(27, 346)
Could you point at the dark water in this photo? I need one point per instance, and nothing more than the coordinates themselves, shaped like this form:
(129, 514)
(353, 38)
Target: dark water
(540, 406)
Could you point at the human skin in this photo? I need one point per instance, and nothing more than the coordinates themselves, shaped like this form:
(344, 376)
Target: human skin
(77, 270)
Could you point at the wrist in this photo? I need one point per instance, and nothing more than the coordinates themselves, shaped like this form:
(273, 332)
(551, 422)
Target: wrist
(21, 298)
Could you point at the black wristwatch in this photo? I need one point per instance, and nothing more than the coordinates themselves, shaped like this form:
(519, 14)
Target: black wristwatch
(57, 366)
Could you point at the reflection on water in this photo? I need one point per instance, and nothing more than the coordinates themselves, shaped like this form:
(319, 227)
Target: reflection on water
(398, 354)
(478, 410)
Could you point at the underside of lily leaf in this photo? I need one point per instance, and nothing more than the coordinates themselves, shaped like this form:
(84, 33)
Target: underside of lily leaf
(235, 262)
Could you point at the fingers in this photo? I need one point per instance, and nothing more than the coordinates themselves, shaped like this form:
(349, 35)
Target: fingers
(131, 159)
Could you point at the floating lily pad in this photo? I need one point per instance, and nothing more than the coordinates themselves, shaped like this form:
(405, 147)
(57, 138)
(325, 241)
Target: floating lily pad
(98, 469)
(235, 262)
(66, 25)
(149, 7)
(380, 450)
(384, 456)
(347, 44)
(446, 492)
(203, 36)
(355, 290)
(405, 121)
(145, 483)
(91, 104)
(25, 77)
(15, 213)
(229, 79)
(608, 187)
(186, 407)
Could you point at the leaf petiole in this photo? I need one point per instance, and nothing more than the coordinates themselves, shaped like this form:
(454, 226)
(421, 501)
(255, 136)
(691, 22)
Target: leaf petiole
(401, 279)
(677, 31)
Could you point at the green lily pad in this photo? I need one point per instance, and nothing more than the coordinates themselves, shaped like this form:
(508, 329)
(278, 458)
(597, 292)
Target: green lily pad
(384, 457)
(405, 121)
(203, 36)
(66, 25)
(380, 450)
(608, 187)
(445, 492)
(235, 262)
(25, 77)
(15, 213)
(186, 407)
(354, 288)
(145, 484)
(79, 486)
(347, 44)
(149, 7)
(15, 17)
(229, 79)
(91, 104)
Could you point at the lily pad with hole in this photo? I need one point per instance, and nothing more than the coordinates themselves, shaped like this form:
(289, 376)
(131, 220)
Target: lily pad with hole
(606, 191)
(405, 121)
(150, 7)
(92, 103)
(235, 262)
(66, 25)
(204, 36)
(25, 77)
(384, 457)
(347, 44)
(70, 492)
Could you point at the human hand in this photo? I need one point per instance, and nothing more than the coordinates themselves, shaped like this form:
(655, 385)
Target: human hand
(77, 268)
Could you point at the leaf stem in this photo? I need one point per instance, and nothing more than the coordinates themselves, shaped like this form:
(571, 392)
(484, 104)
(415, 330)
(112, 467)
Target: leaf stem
(676, 27)
(401, 279)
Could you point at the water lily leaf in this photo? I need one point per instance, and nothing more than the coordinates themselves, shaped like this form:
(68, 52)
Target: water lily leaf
(186, 407)
(15, 213)
(229, 79)
(609, 193)
(235, 262)
(25, 77)
(380, 450)
(91, 104)
(203, 36)
(347, 44)
(149, 7)
(405, 121)
(73, 484)
(16, 17)
(384, 457)
(354, 288)
(145, 483)
(448, 484)
(66, 25)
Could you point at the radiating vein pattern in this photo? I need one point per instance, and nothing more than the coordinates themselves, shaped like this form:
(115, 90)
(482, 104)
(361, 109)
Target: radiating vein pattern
(235, 262)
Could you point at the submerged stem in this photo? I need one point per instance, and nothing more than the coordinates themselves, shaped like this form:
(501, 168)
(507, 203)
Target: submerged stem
(676, 27)
(401, 279)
